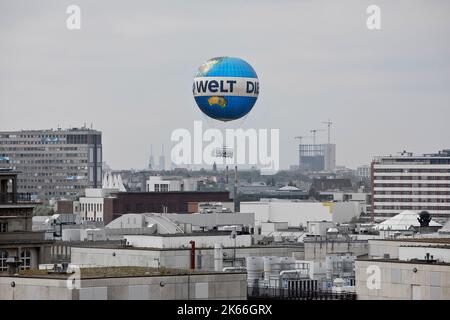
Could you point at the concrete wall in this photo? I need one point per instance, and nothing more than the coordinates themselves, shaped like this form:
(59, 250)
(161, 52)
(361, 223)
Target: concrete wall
(378, 248)
(317, 251)
(201, 241)
(173, 258)
(185, 287)
(437, 253)
(398, 281)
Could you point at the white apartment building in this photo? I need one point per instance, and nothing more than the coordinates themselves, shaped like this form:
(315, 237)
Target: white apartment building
(363, 172)
(90, 207)
(409, 182)
(166, 184)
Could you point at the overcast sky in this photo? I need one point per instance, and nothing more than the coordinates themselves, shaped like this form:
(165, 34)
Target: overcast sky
(129, 71)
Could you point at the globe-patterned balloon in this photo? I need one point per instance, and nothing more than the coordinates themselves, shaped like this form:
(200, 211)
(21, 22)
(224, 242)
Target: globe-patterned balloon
(225, 88)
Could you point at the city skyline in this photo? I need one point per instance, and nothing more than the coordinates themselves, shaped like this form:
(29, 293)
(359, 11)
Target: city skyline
(124, 73)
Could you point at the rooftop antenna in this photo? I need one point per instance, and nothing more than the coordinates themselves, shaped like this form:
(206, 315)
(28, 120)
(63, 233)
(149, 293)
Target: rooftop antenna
(224, 153)
(328, 123)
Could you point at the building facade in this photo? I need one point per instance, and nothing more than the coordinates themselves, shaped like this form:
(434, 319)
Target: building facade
(128, 285)
(108, 207)
(405, 269)
(54, 164)
(317, 157)
(363, 172)
(165, 184)
(17, 240)
(408, 182)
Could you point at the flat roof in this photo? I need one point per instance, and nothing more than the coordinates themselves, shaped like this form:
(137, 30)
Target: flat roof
(422, 240)
(298, 245)
(435, 263)
(112, 272)
(191, 234)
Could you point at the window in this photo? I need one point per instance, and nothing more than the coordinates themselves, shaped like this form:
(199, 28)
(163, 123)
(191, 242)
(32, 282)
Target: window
(3, 257)
(25, 257)
(4, 227)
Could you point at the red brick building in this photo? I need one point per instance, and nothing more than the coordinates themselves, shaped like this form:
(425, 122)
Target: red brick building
(158, 202)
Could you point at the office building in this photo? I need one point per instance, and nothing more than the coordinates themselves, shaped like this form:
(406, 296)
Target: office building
(409, 182)
(317, 157)
(53, 164)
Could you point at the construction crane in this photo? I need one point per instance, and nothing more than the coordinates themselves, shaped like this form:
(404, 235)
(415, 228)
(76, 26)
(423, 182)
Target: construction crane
(314, 132)
(328, 123)
(300, 138)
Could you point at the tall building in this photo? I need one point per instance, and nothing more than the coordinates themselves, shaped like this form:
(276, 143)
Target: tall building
(409, 182)
(53, 163)
(317, 157)
(151, 162)
(162, 159)
(363, 172)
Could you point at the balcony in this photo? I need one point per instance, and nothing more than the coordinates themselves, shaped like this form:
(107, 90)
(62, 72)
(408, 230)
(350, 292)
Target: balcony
(15, 198)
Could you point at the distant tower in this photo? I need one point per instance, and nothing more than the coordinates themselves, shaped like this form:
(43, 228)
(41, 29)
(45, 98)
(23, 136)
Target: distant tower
(162, 159)
(151, 163)
(330, 150)
(214, 167)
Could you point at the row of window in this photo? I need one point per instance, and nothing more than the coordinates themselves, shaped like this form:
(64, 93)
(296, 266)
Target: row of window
(412, 178)
(53, 169)
(32, 135)
(411, 200)
(39, 142)
(433, 193)
(411, 185)
(48, 155)
(91, 207)
(54, 174)
(63, 185)
(91, 219)
(380, 207)
(43, 149)
(164, 187)
(25, 258)
(25, 162)
(412, 170)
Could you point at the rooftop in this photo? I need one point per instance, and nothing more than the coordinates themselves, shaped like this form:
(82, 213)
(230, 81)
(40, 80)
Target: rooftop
(110, 272)
(116, 246)
(422, 240)
(415, 261)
